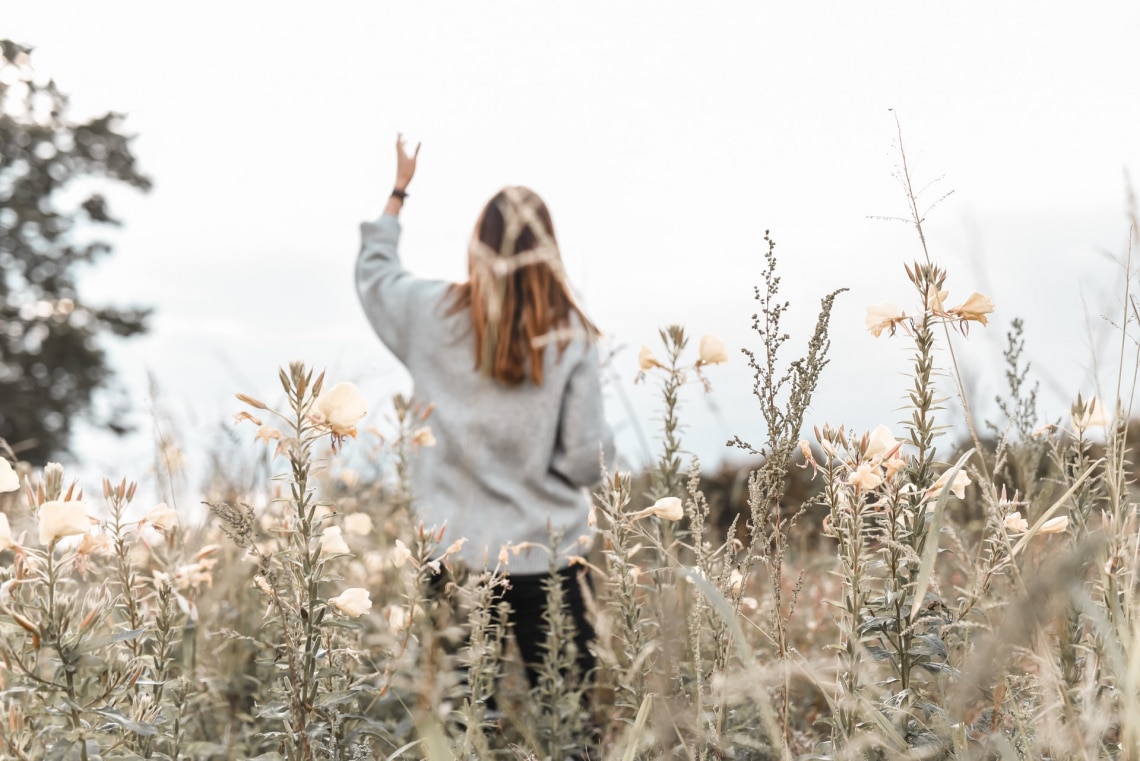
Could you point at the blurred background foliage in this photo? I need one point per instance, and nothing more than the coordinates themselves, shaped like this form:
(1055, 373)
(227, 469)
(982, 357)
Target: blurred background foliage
(52, 169)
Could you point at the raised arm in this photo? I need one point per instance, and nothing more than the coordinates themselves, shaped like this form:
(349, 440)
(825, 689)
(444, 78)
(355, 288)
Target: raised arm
(384, 286)
(405, 170)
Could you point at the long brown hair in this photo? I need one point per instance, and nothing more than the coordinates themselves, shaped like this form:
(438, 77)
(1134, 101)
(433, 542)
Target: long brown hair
(517, 292)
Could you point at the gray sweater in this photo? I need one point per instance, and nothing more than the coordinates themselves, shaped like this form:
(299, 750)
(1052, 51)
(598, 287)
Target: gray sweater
(507, 461)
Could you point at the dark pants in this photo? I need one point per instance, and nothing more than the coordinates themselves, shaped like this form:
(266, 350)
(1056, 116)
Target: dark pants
(527, 599)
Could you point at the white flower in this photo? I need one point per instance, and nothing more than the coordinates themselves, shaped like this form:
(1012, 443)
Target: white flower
(1054, 525)
(352, 602)
(358, 523)
(880, 443)
(9, 481)
(865, 477)
(401, 554)
(161, 517)
(645, 359)
(332, 543)
(341, 408)
(666, 508)
(6, 542)
(958, 488)
(1014, 523)
(882, 317)
(422, 437)
(1092, 415)
(59, 519)
(712, 351)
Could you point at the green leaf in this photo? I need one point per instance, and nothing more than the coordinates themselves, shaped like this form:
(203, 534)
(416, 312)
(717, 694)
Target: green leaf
(118, 717)
(95, 644)
(335, 698)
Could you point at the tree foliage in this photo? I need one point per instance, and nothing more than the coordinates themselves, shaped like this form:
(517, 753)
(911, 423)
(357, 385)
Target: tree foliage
(51, 169)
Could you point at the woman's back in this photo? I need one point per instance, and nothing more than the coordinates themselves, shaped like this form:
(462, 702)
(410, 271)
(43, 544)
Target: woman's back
(509, 460)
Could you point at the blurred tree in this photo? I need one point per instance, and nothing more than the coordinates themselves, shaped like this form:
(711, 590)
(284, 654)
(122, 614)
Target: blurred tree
(51, 361)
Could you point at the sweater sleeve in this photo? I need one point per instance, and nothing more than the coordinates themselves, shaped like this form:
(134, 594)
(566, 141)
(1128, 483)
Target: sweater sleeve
(583, 434)
(384, 286)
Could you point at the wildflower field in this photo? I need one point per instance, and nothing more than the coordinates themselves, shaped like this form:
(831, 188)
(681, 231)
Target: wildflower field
(882, 594)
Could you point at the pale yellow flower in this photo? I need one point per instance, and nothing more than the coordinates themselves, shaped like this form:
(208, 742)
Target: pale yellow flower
(805, 449)
(422, 437)
(267, 434)
(646, 360)
(454, 548)
(712, 351)
(1092, 415)
(958, 488)
(341, 408)
(358, 523)
(352, 602)
(865, 477)
(976, 308)
(59, 519)
(6, 541)
(882, 317)
(1056, 525)
(880, 443)
(349, 477)
(505, 555)
(161, 517)
(666, 508)
(935, 299)
(401, 554)
(9, 481)
(1015, 524)
(195, 574)
(894, 465)
(332, 543)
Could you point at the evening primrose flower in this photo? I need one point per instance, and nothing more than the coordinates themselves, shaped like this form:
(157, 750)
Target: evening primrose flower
(666, 508)
(935, 299)
(646, 361)
(1090, 414)
(401, 554)
(9, 481)
(880, 443)
(1056, 525)
(161, 517)
(976, 308)
(712, 351)
(1015, 524)
(332, 543)
(352, 602)
(358, 523)
(59, 519)
(422, 437)
(865, 477)
(341, 408)
(957, 488)
(882, 317)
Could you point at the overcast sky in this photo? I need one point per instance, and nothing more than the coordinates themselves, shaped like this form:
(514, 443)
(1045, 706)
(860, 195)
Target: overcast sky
(665, 137)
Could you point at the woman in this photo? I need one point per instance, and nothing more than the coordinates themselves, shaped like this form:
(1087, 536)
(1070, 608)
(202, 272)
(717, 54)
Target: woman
(509, 362)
